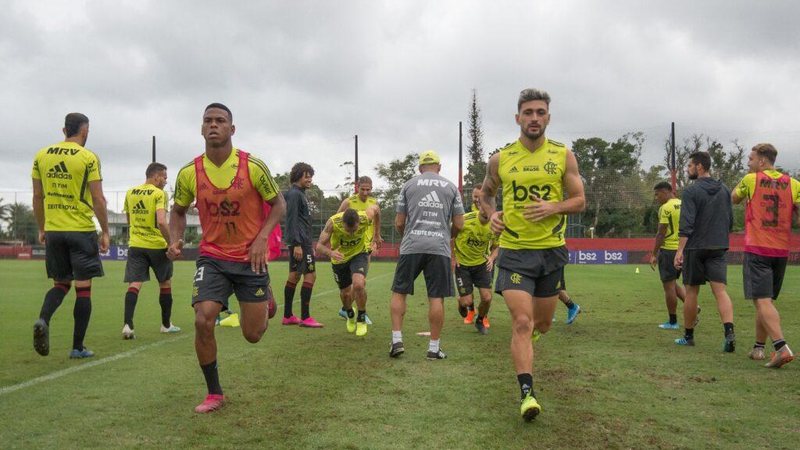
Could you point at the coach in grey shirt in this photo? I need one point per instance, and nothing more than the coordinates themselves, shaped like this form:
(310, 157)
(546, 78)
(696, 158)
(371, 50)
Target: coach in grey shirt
(429, 213)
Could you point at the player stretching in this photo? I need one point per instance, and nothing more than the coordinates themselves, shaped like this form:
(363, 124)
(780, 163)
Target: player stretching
(360, 202)
(344, 239)
(535, 173)
(664, 249)
(771, 197)
(229, 187)
(474, 251)
(67, 190)
(146, 209)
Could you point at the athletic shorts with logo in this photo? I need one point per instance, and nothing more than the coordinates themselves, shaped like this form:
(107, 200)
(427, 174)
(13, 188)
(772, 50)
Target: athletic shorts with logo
(306, 264)
(537, 272)
(72, 255)
(469, 276)
(140, 260)
(343, 273)
(436, 269)
(701, 265)
(763, 276)
(666, 265)
(216, 280)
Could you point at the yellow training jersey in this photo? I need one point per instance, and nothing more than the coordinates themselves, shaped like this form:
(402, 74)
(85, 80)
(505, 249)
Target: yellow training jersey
(222, 177)
(350, 245)
(65, 170)
(669, 214)
(747, 186)
(473, 243)
(141, 204)
(355, 202)
(526, 175)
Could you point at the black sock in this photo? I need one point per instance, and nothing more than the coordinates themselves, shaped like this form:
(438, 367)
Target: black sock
(569, 304)
(361, 314)
(759, 344)
(350, 313)
(212, 378)
(673, 318)
(288, 298)
(471, 307)
(52, 300)
(130, 305)
(525, 384)
(81, 313)
(165, 300)
(688, 334)
(728, 328)
(779, 344)
(305, 300)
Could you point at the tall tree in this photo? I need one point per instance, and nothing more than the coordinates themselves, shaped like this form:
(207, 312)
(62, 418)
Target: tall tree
(396, 173)
(22, 223)
(728, 166)
(476, 165)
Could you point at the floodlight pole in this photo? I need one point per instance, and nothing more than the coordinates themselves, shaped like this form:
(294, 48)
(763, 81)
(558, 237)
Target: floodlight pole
(460, 160)
(154, 149)
(355, 179)
(674, 169)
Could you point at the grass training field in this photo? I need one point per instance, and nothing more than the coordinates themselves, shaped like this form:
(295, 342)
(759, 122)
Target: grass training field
(610, 380)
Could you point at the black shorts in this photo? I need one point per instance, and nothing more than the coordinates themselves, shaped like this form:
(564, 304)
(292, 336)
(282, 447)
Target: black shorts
(216, 280)
(72, 255)
(666, 265)
(537, 272)
(140, 260)
(763, 276)
(343, 273)
(307, 263)
(436, 268)
(701, 265)
(562, 283)
(469, 276)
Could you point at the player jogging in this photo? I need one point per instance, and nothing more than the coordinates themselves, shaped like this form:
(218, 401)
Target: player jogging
(67, 192)
(771, 198)
(344, 239)
(146, 210)
(541, 185)
(474, 252)
(228, 186)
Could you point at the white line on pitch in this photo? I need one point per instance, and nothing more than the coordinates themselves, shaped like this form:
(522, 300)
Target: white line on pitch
(55, 375)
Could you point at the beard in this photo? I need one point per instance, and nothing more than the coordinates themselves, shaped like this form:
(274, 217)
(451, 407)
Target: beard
(693, 176)
(533, 136)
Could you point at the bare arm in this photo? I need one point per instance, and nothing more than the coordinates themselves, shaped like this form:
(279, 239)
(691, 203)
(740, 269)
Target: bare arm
(161, 221)
(400, 222)
(38, 207)
(660, 235)
(259, 247)
(100, 211)
(488, 204)
(457, 225)
(324, 242)
(177, 226)
(345, 204)
(735, 198)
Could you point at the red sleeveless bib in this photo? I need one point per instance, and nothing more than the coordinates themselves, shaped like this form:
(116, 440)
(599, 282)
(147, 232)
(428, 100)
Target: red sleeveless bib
(231, 218)
(768, 217)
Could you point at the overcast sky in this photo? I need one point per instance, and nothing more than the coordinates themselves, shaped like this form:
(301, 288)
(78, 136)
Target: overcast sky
(303, 77)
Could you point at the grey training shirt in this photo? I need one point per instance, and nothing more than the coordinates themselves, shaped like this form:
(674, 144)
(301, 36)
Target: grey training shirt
(429, 202)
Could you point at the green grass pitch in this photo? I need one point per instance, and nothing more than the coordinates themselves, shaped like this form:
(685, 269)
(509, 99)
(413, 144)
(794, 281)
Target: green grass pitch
(610, 380)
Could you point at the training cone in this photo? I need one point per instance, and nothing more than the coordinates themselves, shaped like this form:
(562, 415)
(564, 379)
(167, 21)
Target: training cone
(230, 321)
(637, 271)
